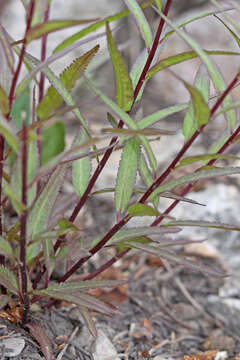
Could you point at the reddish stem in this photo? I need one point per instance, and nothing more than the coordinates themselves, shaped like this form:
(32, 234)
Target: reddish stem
(161, 178)
(2, 258)
(21, 56)
(120, 124)
(23, 229)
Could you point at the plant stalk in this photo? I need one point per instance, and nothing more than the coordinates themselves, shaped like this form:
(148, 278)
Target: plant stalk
(23, 230)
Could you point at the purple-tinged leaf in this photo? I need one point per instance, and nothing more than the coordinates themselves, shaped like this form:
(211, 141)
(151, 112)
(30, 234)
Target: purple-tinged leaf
(39, 334)
(46, 28)
(170, 195)
(80, 299)
(88, 320)
(207, 224)
(205, 157)
(171, 256)
(74, 286)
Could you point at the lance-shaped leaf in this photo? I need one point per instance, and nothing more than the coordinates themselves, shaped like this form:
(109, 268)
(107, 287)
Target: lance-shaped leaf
(11, 194)
(53, 100)
(96, 26)
(205, 157)
(49, 257)
(147, 176)
(149, 120)
(5, 247)
(88, 320)
(234, 35)
(81, 169)
(39, 215)
(171, 256)
(202, 83)
(123, 83)
(205, 224)
(203, 174)
(75, 286)
(8, 280)
(81, 299)
(141, 20)
(39, 334)
(173, 196)
(127, 173)
(182, 57)
(137, 232)
(48, 27)
(142, 210)
(4, 102)
(8, 132)
(7, 49)
(21, 109)
(145, 132)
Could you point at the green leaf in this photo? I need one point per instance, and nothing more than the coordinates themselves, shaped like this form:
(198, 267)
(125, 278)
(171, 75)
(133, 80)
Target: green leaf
(4, 102)
(7, 130)
(142, 23)
(147, 176)
(234, 35)
(159, 4)
(45, 28)
(75, 286)
(53, 98)
(127, 173)
(179, 58)
(53, 141)
(21, 109)
(81, 169)
(228, 107)
(8, 280)
(65, 224)
(5, 247)
(96, 26)
(145, 132)
(207, 224)
(204, 157)
(203, 174)
(217, 78)
(39, 215)
(49, 257)
(142, 210)
(140, 231)
(201, 109)
(202, 83)
(7, 50)
(80, 299)
(11, 194)
(149, 120)
(124, 90)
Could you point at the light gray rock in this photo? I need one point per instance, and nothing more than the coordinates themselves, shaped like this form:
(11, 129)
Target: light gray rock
(12, 347)
(103, 349)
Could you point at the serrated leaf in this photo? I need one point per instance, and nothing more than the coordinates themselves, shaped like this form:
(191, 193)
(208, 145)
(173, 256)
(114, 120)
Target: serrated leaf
(145, 132)
(205, 157)
(127, 173)
(96, 26)
(8, 280)
(39, 215)
(53, 141)
(179, 58)
(80, 299)
(81, 169)
(141, 20)
(48, 27)
(170, 195)
(206, 224)
(142, 210)
(49, 257)
(7, 130)
(53, 100)
(124, 89)
(5, 247)
(203, 174)
(202, 83)
(147, 176)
